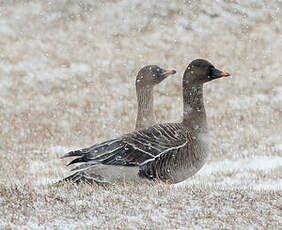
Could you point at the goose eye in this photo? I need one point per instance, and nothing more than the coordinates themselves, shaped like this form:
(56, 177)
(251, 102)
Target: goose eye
(210, 72)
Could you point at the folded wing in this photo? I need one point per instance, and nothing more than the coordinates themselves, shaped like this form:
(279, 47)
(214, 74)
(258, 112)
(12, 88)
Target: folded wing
(133, 149)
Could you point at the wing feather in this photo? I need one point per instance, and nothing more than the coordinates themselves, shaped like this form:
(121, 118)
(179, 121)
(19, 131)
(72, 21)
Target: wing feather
(134, 149)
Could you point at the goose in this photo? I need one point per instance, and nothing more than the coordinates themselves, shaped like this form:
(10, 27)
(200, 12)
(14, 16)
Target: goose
(147, 78)
(169, 152)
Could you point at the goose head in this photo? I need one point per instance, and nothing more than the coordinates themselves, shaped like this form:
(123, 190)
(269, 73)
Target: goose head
(152, 75)
(201, 71)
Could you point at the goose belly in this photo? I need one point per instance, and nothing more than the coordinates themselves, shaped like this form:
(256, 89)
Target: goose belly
(187, 170)
(193, 160)
(111, 173)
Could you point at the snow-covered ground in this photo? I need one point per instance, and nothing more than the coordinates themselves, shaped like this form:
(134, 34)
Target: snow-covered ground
(67, 72)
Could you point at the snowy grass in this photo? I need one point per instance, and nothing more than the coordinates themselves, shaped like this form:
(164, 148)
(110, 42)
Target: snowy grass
(67, 71)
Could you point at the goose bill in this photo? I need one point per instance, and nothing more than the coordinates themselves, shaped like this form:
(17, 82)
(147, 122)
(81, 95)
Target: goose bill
(216, 73)
(168, 72)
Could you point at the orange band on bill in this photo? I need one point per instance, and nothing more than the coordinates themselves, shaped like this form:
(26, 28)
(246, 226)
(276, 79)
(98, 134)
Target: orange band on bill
(224, 74)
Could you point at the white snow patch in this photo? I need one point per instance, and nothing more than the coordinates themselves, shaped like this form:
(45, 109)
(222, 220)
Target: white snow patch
(258, 163)
(80, 68)
(278, 147)
(243, 177)
(269, 186)
(5, 29)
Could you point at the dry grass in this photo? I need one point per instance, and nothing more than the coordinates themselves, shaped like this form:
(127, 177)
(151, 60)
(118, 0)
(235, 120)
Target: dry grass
(67, 70)
(126, 207)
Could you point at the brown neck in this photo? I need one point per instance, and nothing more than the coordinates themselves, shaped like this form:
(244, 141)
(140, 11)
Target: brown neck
(194, 114)
(145, 111)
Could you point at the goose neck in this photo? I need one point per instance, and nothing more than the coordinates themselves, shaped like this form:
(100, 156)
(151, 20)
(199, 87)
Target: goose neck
(194, 114)
(145, 109)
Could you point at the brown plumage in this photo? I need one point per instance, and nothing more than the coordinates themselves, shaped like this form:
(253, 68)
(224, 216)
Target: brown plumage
(170, 152)
(147, 78)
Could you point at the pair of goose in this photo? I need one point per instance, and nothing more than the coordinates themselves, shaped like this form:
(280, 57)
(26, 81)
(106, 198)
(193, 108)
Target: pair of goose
(170, 152)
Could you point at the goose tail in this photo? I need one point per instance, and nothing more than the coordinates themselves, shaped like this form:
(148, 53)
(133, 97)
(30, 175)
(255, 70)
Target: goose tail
(105, 153)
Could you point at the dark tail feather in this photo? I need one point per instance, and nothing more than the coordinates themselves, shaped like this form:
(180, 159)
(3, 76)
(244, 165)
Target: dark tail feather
(96, 149)
(73, 154)
(78, 160)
